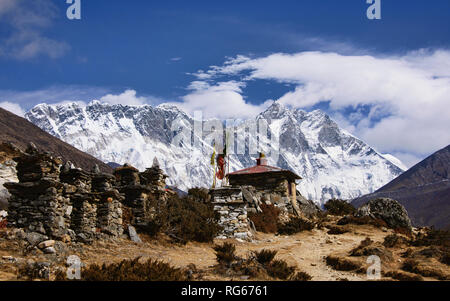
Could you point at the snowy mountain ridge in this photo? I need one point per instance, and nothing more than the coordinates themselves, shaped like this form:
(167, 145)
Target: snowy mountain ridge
(332, 162)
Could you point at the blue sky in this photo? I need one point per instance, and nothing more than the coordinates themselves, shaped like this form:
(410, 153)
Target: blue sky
(140, 51)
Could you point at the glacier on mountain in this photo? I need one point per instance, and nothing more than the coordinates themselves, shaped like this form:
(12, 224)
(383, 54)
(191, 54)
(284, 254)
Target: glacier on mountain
(332, 162)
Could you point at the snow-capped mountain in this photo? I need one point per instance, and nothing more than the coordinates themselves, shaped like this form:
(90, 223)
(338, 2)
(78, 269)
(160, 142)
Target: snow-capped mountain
(332, 162)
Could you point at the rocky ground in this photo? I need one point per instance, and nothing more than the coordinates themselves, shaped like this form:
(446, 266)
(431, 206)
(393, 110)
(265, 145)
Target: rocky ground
(308, 251)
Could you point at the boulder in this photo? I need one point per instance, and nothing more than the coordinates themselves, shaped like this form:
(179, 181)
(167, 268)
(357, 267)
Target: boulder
(307, 207)
(388, 210)
(35, 238)
(49, 250)
(46, 244)
(133, 234)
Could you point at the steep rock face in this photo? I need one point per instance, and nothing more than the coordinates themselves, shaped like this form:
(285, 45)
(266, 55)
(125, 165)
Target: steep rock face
(332, 163)
(424, 190)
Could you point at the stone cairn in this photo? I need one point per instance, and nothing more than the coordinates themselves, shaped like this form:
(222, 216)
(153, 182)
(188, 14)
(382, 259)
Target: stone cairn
(143, 191)
(68, 203)
(78, 186)
(37, 202)
(229, 203)
(109, 208)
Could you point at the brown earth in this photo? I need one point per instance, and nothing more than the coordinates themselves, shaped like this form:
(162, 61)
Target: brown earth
(306, 250)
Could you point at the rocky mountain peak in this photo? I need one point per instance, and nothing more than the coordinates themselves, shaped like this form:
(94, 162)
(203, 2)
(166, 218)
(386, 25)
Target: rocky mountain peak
(332, 163)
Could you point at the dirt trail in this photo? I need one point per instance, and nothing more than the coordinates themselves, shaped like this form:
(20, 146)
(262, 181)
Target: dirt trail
(306, 250)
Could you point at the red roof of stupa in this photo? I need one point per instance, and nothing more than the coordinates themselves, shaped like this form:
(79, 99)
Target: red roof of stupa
(263, 169)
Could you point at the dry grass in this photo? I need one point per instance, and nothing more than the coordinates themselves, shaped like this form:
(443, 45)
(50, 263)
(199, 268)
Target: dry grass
(259, 264)
(131, 270)
(265, 256)
(185, 220)
(365, 243)
(366, 220)
(337, 230)
(339, 207)
(403, 276)
(295, 225)
(267, 220)
(394, 240)
(416, 267)
(225, 253)
(341, 263)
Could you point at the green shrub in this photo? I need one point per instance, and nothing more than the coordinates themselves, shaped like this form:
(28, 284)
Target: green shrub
(295, 225)
(131, 270)
(339, 207)
(266, 221)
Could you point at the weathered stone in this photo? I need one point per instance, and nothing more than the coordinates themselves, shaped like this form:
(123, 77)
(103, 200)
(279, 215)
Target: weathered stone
(34, 238)
(49, 250)
(388, 210)
(133, 234)
(46, 244)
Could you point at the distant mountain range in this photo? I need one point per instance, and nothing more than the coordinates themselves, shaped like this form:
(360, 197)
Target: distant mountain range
(332, 162)
(21, 132)
(424, 190)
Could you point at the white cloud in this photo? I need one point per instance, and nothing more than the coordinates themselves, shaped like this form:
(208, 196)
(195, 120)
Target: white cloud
(222, 100)
(409, 159)
(408, 96)
(52, 95)
(26, 21)
(129, 97)
(13, 108)
(126, 98)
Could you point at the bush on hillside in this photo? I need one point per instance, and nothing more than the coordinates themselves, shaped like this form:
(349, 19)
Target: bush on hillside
(267, 220)
(185, 220)
(130, 270)
(226, 253)
(365, 220)
(265, 256)
(199, 195)
(295, 225)
(259, 264)
(433, 238)
(339, 207)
